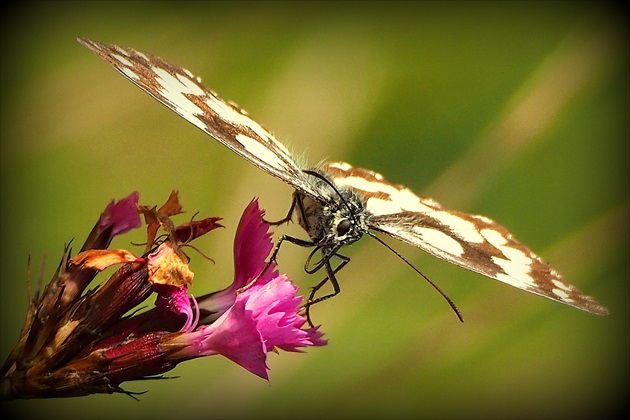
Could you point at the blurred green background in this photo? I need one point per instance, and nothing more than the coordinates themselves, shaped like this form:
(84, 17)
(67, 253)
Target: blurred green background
(518, 111)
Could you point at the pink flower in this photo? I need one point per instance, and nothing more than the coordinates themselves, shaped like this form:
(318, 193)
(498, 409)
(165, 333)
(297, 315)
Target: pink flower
(244, 326)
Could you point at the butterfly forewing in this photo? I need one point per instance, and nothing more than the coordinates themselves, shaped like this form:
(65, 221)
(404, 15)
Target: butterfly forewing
(470, 241)
(474, 242)
(183, 93)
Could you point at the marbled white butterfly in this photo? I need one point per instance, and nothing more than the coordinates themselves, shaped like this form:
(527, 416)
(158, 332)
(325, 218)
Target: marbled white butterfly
(336, 203)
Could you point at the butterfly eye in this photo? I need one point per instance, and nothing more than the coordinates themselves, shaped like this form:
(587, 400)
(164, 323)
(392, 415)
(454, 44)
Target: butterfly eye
(343, 227)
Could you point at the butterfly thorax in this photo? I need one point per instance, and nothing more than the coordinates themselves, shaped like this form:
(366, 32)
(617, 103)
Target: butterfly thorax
(331, 225)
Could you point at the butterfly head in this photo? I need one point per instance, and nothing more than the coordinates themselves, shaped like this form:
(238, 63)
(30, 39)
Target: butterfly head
(339, 221)
(343, 221)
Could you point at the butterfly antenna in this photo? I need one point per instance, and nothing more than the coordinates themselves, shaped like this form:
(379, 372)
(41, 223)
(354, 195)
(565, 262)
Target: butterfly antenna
(399, 255)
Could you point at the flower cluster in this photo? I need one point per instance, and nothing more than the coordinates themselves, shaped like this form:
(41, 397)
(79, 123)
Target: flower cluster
(79, 341)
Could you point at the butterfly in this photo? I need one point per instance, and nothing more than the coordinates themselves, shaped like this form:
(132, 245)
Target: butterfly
(337, 203)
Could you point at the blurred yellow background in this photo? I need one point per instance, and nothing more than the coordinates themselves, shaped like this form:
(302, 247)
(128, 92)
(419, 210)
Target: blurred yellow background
(518, 111)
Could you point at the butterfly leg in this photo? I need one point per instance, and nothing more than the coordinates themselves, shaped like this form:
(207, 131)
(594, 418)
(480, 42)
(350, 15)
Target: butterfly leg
(274, 254)
(330, 276)
(293, 240)
(287, 218)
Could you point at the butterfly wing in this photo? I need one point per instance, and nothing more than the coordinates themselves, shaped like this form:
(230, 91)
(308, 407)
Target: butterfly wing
(474, 242)
(183, 93)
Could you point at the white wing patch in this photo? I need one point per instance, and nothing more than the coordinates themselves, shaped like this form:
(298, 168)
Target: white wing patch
(465, 229)
(439, 240)
(378, 205)
(256, 148)
(174, 89)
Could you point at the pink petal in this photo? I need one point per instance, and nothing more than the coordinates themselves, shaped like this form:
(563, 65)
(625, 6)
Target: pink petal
(121, 216)
(175, 300)
(276, 308)
(235, 336)
(251, 246)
